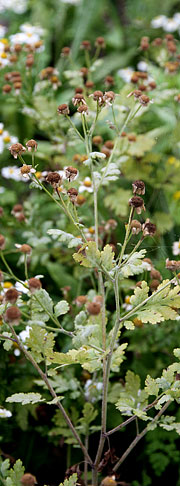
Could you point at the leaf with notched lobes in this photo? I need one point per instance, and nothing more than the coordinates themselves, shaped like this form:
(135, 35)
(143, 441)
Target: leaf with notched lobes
(88, 255)
(67, 238)
(107, 258)
(25, 398)
(62, 307)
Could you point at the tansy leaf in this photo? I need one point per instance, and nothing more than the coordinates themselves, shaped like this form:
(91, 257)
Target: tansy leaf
(107, 258)
(71, 481)
(25, 398)
(88, 255)
(62, 307)
(134, 264)
(40, 343)
(67, 238)
(118, 201)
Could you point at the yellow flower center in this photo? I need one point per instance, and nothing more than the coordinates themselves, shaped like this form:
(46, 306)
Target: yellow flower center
(171, 160)
(127, 299)
(87, 183)
(6, 139)
(4, 55)
(8, 285)
(38, 174)
(176, 195)
(179, 244)
(1, 131)
(11, 171)
(29, 34)
(4, 41)
(91, 230)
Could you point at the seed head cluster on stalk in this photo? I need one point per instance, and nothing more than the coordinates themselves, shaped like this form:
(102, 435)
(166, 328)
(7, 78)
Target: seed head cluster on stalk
(107, 258)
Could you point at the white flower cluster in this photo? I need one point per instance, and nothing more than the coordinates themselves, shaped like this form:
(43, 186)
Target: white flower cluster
(167, 24)
(29, 34)
(18, 6)
(5, 413)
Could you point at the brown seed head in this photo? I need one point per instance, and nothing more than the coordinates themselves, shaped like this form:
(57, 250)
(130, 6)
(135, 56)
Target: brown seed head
(17, 208)
(97, 95)
(109, 81)
(65, 51)
(83, 109)
(135, 226)
(34, 284)
(72, 193)
(54, 179)
(31, 145)
(79, 89)
(11, 295)
(17, 149)
(25, 169)
(89, 84)
(152, 85)
(173, 265)
(86, 45)
(93, 308)
(13, 58)
(134, 78)
(149, 229)
(71, 173)
(7, 88)
(29, 61)
(17, 85)
(26, 249)
(132, 137)
(63, 109)
(109, 144)
(80, 200)
(109, 96)
(13, 315)
(28, 480)
(138, 187)
(155, 274)
(109, 481)
(100, 42)
(97, 140)
(78, 99)
(154, 284)
(144, 100)
(80, 300)
(157, 42)
(106, 151)
(137, 203)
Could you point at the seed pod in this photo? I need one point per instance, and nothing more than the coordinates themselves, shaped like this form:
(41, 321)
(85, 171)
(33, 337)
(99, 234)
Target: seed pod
(86, 45)
(136, 227)
(97, 140)
(109, 97)
(106, 151)
(144, 100)
(11, 295)
(71, 173)
(109, 144)
(83, 109)
(131, 137)
(12, 315)
(54, 179)
(2, 242)
(149, 229)
(26, 249)
(78, 99)
(28, 480)
(80, 200)
(134, 78)
(6, 88)
(72, 193)
(154, 284)
(109, 80)
(17, 149)
(89, 84)
(138, 187)
(173, 265)
(93, 308)
(65, 51)
(31, 145)
(137, 203)
(63, 109)
(79, 90)
(80, 300)
(137, 322)
(100, 42)
(155, 274)
(34, 284)
(152, 85)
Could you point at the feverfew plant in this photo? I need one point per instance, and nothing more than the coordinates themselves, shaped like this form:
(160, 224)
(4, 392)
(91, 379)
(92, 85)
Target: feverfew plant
(86, 183)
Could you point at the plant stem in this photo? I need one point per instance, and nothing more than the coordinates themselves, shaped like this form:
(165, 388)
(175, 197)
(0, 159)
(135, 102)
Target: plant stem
(53, 393)
(85, 462)
(140, 436)
(128, 229)
(74, 127)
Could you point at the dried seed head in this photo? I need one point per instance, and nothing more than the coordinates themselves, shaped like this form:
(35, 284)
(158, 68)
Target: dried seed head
(6, 88)
(154, 284)
(97, 140)
(80, 300)
(100, 42)
(142, 75)
(137, 93)
(136, 227)
(63, 109)
(65, 51)
(11, 295)
(98, 96)
(80, 200)
(169, 37)
(26, 249)
(134, 78)
(111, 224)
(173, 265)
(109, 144)
(29, 61)
(34, 284)
(149, 229)
(106, 151)
(79, 89)
(17, 209)
(144, 43)
(13, 58)
(93, 308)
(142, 87)
(123, 134)
(13, 315)
(17, 149)
(109, 81)
(137, 203)
(132, 137)
(78, 99)
(54, 179)
(83, 109)
(171, 46)
(72, 193)
(157, 42)
(109, 97)
(89, 84)
(2, 242)
(17, 86)
(147, 260)
(138, 187)
(25, 169)
(152, 85)
(155, 274)
(31, 145)
(144, 100)
(28, 480)
(71, 173)
(86, 45)
(109, 481)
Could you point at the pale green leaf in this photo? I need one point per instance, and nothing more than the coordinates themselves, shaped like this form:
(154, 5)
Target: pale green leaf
(107, 258)
(25, 398)
(67, 238)
(62, 307)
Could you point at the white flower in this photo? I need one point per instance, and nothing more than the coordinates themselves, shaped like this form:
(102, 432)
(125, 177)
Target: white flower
(176, 248)
(11, 173)
(170, 25)
(5, 413)
(32, 29)
(97, 155)
(25, 333)
(176, 17)
(86, 185)
(3, 30)
(142, 66)
(126, 74)
(158, 22)
(72, 2)
(18, 6)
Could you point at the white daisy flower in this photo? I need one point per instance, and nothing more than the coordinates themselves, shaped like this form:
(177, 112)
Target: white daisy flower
(11, 172)
(170, 25)
(126, 74)
(25, 333)
(32, 29)
(142, 66)
(176, 17)
(158, 21)
(5, 413)
(86, 185)
(176, 248)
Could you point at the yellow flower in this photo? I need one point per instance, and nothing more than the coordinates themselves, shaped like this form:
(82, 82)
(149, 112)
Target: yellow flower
(176, 195)
(6, 139)
(127, 299)
(4, 55)
(4, 41)
(7, 285)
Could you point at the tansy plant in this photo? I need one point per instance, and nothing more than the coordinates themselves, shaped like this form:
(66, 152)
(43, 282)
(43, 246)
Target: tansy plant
(95, 339)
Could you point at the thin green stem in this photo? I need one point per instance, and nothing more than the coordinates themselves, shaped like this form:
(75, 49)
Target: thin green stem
(128, 229)
(74, 127)
(25, 267)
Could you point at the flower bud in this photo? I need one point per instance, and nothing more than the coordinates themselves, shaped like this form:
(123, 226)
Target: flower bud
(26, 249)
(144, 100)
(154, 284)
(137, 203)
(63, 109)
(34, 284)
(86, 45)
(6, 88)
(11, 295)
(109, 481)
(109, 81)
(155, 274)
(65, 51)
(83, 109)
(89, 84)
(100, 42)
(80, 300)
(13, 315)
(138, 187)
(97, 140)
(93, 308)
(109, 144)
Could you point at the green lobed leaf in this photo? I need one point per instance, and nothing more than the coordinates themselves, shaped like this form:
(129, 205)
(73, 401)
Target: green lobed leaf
(62, 307)
(25, 398)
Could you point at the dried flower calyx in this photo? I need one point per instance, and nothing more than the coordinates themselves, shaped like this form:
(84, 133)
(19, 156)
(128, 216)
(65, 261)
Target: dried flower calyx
(149, 229)
(31, 145)
(136, 227)
(72, 193)
(71, 173)
(17, 149)
(11, 295)
(54, 179)
(63, 109)
(173, 265)
(138, 188)
(34, 284)
(137, 203)
(13, 315)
